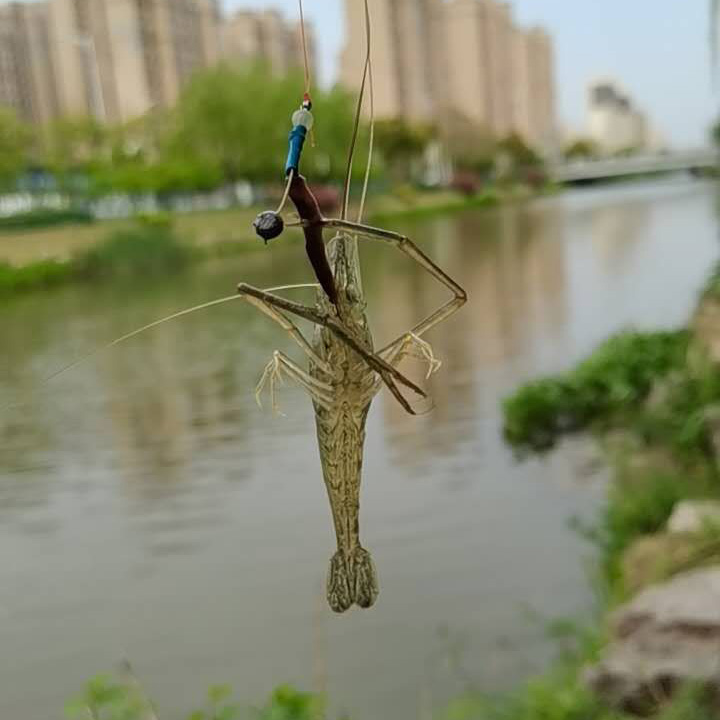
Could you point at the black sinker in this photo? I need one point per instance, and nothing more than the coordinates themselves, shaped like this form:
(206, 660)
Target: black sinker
(268, 225)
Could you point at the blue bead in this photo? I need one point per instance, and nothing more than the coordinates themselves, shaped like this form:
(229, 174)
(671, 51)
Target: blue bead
(297, 140)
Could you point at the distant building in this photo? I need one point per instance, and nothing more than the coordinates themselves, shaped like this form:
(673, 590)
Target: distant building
(26, 76)
(266, 36)
(116, 59)
(614, 123)
(406, 53)
(432, 58)
(534, 87)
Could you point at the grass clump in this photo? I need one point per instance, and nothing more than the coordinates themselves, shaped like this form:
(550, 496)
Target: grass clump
(640, 506)
(142, 251)
(39, 274)
(617, 377)
(149, 249)
(561, 696)
(108, 697)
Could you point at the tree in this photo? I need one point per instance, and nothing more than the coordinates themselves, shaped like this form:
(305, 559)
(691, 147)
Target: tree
(234, 123)
(400, 143)
(519, 152)
(582, 148)
(470, 145)
(15, 143)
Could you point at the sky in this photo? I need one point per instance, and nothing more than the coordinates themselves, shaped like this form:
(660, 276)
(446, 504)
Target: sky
(657, 49)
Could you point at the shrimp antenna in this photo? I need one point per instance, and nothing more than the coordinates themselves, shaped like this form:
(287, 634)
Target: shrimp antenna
(154, 324)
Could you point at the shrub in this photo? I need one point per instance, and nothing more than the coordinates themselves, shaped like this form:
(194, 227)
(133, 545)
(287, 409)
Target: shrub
(44, 218)
(616, 377)
(138, 252)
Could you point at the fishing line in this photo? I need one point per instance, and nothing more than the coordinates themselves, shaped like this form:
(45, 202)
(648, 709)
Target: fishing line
(291, 174)
(356, 126)
(371, 142)
(306, 64)
(304, 48)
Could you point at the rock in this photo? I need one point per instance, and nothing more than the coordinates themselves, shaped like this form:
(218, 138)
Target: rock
(691, 516)
(652, 558)
(668, 635)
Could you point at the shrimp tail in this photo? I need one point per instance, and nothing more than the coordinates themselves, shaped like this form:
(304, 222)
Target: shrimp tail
(352, 580)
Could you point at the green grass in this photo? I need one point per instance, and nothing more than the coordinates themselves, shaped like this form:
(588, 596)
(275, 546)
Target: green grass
(640, 505)
(134, 253)
(561, 696)
(147, 249)
(655, 392)
(107, 697)
(425, 208)
(36, 275)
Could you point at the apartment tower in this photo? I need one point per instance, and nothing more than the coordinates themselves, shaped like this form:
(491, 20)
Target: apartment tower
(406, 52)
(436, 58)
(117, 59)
(534, 87)
(26, 75)
(265, 36)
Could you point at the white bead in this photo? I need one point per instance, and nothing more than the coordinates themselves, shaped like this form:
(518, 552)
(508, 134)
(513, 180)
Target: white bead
(304, 118)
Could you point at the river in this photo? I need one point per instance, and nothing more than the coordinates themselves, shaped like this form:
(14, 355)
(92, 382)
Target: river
(150, 511)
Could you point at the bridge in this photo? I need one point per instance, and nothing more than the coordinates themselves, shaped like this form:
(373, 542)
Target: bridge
(580, 170)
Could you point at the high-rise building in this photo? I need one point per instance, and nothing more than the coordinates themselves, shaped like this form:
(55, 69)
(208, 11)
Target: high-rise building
(469, 83)
(406, 56)
(26, 78)
(116, 59)
(266, 36)
(436, 58)
(534, 87)
(499, 57)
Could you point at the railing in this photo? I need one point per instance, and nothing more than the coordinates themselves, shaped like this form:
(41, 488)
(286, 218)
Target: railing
(633, 165)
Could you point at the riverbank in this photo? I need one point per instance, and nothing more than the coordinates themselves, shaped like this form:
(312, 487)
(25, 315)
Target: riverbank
(22, 246)
(652, 400)
(151, 245)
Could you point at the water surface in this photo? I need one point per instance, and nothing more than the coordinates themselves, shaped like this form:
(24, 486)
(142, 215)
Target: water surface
(150, 511)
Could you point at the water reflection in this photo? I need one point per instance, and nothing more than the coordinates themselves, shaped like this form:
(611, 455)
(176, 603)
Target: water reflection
(148, 509)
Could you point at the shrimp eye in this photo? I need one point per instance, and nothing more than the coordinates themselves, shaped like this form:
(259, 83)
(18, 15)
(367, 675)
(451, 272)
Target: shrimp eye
(268, 225)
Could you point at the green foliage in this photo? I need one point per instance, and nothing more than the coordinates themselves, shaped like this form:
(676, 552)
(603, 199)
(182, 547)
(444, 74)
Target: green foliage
(581, 149)
(74, 148)
(400, 143)
(39, 274)
(234, 123)
(641, 506)
(109, 698)
(562, 696)
(521, 154)
(44, 218)
(615, 378)
(106, 698)
(149, 249)
(681, 420)
(15, 141)
(286, 703)
(136, 253)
